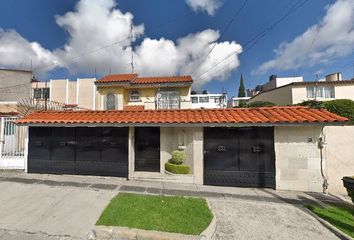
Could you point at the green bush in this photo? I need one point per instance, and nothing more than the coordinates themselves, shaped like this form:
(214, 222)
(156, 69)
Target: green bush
(177, 169)
(342, 107)
(312, 104)
(261, 104)
(242, 103)
(178, 157)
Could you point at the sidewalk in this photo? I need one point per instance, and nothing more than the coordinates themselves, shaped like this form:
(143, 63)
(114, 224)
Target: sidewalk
(157, 187)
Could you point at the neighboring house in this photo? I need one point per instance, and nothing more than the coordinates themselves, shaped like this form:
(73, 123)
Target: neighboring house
(333, 87)
(209, 100)
(235, 101)
(81, 92)
(119, 91)
(15, 85)
(274, 147)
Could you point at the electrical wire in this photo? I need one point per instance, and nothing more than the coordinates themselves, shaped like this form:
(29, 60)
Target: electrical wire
(253, 41)
(221, 35)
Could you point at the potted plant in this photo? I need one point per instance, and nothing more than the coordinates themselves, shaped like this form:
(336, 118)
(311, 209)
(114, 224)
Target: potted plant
(348, 183)
(175, 164)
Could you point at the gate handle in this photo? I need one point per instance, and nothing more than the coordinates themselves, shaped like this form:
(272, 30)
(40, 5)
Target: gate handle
(3, 141)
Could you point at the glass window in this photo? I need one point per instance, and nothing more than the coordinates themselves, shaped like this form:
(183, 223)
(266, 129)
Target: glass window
(310, 92)
(204, 99)
(134, 96)
(215, 99)
(194, 99)
(167, 100)
(319, 92)
(37, 93)
(110, 101)
(329, 92)
(41, 93)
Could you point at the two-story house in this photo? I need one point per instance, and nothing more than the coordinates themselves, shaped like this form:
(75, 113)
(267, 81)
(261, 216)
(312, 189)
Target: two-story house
(289, 91)
(122, 91)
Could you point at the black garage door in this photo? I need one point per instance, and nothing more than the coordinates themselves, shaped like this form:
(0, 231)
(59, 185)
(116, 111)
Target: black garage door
(89, 151)
(242, 157)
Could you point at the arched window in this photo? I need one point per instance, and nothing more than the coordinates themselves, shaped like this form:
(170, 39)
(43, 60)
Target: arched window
(134, 96)
(110, 101)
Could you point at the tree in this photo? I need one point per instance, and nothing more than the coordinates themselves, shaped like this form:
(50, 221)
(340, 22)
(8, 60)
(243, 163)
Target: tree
(241, 89)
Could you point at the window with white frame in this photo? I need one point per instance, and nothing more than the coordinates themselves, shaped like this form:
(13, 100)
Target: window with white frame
(110, 101)
(168, 100)
(320, 92)
(215, 99)
(203, 99)
(194, 99)
(134, 96)
(41, 93)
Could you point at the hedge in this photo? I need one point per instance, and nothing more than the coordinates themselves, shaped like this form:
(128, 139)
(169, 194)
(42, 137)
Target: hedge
(261, 104)
(177, 169)
(341, 107)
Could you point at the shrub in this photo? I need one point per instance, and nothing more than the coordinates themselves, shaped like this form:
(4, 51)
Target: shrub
(242, 103)
(177, 169)
(312, 104)
(178, 157)
(342, 107)
(261, 104)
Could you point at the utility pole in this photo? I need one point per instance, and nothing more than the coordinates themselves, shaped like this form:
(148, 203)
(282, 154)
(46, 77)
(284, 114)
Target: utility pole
(131, 45)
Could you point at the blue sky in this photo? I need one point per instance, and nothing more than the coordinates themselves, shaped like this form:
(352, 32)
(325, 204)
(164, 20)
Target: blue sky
(319, 39)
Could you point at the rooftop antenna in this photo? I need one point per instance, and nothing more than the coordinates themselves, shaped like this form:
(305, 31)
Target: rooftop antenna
(131, 41)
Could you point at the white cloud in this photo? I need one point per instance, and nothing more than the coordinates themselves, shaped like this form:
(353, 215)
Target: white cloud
(17, 52)
(332, 37)
(95, 24)
(209, 6)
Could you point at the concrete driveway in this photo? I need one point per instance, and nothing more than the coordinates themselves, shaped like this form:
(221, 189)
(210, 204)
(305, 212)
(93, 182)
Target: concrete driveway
(45, 212)
(54, 207)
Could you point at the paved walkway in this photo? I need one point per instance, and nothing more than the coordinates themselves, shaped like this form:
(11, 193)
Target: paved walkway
(40, 206)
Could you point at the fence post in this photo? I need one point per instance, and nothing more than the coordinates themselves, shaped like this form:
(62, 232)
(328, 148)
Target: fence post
(26, 148)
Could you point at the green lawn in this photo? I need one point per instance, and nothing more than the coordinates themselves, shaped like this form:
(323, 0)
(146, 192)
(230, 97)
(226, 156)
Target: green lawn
(161, 213)
(341, 218)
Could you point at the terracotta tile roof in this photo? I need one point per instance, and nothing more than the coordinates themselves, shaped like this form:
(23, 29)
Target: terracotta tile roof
(170, 79)
(134, 108)
(117, 78)
(134, 79)
(231, 116)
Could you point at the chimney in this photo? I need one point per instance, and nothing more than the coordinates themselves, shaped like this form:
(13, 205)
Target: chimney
(334, 77)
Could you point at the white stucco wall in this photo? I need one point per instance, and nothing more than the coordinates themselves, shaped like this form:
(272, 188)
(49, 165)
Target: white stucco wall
(280, 96)
(297, 159)
(340, 155)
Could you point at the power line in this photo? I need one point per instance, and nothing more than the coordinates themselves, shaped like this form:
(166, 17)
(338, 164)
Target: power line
(260, 35)
(221, 35)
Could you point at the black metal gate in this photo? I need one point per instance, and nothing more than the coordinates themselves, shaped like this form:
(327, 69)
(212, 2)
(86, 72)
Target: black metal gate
(99, 151)
(147, 149)
(242, 157)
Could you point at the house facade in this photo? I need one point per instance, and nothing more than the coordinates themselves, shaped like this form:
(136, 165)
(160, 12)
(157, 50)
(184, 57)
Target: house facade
(120, 91)
(275, 147)
(299, 91)
(15, 85)
(209, 100)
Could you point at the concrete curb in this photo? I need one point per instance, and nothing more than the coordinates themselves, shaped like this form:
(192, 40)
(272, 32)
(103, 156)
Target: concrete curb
(108, 232)
(333, 229)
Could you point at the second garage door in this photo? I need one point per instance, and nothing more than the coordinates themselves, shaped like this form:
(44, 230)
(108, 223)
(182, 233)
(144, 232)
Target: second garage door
(99, 151)
(242, 157)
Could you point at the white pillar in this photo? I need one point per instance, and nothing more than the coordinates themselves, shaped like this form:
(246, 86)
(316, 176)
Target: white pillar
(26, 148)
(131, 152)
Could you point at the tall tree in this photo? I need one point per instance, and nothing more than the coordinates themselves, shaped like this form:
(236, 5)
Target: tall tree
(241, 89)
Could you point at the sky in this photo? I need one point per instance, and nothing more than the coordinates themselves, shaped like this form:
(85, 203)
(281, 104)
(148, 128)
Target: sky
(215, 41)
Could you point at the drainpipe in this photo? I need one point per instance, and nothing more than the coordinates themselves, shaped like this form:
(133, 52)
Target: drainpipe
(321, 144)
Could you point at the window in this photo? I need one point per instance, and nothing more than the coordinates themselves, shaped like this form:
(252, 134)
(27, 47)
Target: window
(204, 99)
(41, 93)
(110, 101)
(168, 100)
(134, 96)
(215, 99)
(194, 99)
(320, 92)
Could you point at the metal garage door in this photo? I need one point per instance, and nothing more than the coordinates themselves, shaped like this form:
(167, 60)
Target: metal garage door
(89, 151)
(242, 157)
